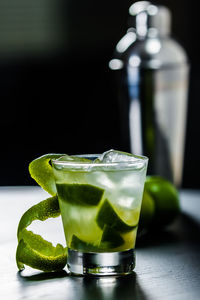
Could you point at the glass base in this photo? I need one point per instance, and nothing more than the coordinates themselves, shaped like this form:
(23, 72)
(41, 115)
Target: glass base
(101, 264)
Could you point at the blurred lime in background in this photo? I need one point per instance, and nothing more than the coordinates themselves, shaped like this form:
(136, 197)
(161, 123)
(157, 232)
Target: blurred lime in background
(160, 204)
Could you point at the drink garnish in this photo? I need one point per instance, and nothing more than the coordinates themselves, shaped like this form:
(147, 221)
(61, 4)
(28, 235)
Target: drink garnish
(32, 249)
(110, 240)
(80, 194)
(108, 216)
(41, 171)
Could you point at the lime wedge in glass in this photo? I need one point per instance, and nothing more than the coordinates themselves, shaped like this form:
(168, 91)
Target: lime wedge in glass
(108, 216)
(79, 244)
(79, 194)
(110, 239)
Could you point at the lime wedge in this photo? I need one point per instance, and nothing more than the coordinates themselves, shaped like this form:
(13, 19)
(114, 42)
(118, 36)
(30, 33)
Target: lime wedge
(110, 239)
(42, 172)
(32, 249)
(79, 194)
(108, 216)
(78, 244)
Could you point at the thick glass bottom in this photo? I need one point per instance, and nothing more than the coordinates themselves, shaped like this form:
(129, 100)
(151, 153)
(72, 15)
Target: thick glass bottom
(101, 264)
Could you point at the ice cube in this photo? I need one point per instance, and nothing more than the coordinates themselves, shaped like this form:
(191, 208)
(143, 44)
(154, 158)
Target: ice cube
(73, 158)
(65, 158)
(126, 202)
(101, 179)
(116, 156)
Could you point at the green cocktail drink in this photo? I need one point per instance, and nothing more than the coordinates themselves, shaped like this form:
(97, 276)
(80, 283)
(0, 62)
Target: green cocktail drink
(100, 200)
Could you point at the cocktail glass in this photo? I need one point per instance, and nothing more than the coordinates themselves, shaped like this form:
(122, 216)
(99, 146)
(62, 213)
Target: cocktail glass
(100, 199)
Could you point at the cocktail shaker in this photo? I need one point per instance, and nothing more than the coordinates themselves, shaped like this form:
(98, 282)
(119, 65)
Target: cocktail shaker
(151, 72)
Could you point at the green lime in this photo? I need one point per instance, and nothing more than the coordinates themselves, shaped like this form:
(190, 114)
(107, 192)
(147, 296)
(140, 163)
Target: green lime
(32, 249)
(45, 209)
(147, 211)
(108, 216)
(110, 239)
(41, 171)
(37, 253)
(165, 198)
(79, 194)
(78, 244)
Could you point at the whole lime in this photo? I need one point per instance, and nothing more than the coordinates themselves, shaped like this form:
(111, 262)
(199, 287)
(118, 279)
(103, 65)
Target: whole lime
(166, 200)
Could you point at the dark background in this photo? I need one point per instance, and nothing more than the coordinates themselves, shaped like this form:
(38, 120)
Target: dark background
(55, 86)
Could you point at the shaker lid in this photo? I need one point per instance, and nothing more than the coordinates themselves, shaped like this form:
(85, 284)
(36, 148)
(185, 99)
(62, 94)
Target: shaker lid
(150, 19)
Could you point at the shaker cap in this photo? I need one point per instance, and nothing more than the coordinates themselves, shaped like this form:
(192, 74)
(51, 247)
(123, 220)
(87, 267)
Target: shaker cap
(150, 19)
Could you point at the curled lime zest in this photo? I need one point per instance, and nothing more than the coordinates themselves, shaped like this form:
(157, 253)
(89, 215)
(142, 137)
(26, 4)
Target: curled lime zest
(32, 249)
(45, 209)
(40, 254)
(41, 171)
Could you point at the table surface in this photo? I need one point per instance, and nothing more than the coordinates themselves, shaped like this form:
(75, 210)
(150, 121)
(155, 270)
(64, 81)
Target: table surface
(167, 263)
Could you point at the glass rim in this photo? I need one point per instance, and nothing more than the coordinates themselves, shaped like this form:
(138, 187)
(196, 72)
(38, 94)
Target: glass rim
(139, 162)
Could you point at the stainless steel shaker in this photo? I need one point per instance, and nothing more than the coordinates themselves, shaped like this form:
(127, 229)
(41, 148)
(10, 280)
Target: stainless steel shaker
(152, 71)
